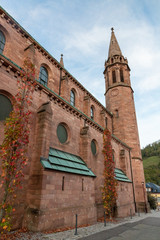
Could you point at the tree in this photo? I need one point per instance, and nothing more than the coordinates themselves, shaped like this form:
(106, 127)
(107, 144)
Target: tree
(13, 151)
(109, 193)
(151, 150)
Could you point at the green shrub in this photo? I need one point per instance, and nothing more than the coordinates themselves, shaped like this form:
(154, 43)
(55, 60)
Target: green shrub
(152, 201)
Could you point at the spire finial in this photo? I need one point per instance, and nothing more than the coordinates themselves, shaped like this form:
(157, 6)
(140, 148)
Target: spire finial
(114, 48)
(61, 60)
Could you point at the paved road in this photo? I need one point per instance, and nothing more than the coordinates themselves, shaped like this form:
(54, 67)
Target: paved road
(139, 227)
(146, 229)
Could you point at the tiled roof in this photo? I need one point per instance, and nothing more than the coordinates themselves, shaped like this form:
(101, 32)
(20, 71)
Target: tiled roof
(114, 48)
(57, 62)
(120, 176)
(154, 187)
(66, 162)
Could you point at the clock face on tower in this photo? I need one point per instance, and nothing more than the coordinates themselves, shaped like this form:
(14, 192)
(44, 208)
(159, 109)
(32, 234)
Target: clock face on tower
(114, 92)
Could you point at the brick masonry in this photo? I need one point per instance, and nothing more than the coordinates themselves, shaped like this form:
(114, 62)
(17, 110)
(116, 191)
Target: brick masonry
(43, 204)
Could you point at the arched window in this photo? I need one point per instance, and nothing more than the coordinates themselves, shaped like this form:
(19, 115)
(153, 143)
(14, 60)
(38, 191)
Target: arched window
(2, 42)
(116, 113)
(114, 76)
(113, 157)
(106, 122)
(121, 75)
(107, 79)
(5, 107)
(72, 98)
(43, 76)
(92, 113)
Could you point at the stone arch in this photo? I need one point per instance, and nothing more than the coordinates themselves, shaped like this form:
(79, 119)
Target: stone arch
(6, 106)
(121, 75)
(114, 79)
(7, 38)
(76, 97)
(50, 74)
(72, 97)
(117, 113)
(92, 112)
(8, 95)
(113, 154)
(122, 160)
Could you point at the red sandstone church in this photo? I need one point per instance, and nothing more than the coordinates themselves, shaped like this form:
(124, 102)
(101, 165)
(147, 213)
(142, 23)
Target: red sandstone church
(65, 171)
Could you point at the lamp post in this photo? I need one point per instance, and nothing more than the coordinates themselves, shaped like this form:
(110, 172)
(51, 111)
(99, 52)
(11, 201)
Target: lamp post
(144, 196)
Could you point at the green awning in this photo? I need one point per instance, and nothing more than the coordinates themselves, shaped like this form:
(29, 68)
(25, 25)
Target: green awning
(66, 162)
(120, 176)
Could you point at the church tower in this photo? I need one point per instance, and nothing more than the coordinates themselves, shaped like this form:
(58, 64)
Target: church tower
(120, 101)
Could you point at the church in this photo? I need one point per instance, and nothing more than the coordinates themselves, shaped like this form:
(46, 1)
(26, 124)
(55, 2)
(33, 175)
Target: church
(64, 175)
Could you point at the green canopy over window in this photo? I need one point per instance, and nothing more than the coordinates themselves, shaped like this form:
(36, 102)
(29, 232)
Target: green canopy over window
(120, 176)
(66, 162)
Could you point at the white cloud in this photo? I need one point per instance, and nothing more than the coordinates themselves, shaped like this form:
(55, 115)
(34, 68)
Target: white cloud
(149, 82)
(81, 31)
(149, 129)
(86, 41)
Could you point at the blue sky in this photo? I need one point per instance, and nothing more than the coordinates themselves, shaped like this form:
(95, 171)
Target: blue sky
(80, 29)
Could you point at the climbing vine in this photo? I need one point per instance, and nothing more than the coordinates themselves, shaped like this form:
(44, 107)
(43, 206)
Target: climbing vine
(13, 150)
(109, 194)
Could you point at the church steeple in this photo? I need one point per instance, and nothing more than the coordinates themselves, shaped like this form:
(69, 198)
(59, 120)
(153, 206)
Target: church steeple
(114, 54)
(114, 48)
(120, 101)
(117, 71)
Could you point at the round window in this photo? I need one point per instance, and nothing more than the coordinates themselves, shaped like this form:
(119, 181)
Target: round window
(62, 133)
(93, 147)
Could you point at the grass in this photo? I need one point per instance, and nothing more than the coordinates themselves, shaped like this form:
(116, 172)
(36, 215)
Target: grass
(152, 169)
(151, 161)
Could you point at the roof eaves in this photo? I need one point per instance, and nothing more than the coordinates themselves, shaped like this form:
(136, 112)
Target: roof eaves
(124, 144)
(11, 61)
(45, 87)
(56, 61)
(72, 106)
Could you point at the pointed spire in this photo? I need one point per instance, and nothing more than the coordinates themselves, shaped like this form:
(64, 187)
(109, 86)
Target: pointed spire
(114, 48)
(61, 60)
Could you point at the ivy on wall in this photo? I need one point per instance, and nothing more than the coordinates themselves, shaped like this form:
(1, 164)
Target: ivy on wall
(109, 193)
(13, 150)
